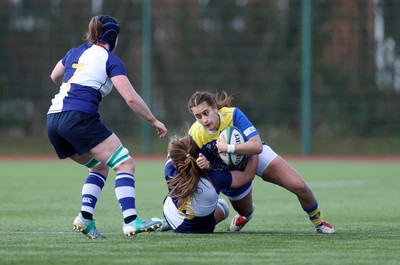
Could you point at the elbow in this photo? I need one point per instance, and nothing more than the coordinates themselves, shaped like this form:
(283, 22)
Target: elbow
(55, 79)
(131, 101)
(259, 149)
(255, 145)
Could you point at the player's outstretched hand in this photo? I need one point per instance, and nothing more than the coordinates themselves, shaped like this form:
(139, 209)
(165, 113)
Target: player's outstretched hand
(160, 127)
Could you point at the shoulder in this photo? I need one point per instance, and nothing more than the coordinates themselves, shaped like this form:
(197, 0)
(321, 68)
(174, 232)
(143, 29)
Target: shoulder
(197, 132)
(82, 47)
(227, 110)
(238, 113)
(196, 128)
(226, 117)
(115, 66)
(114, 58)
(76, 52)
(241, 121)
(169, 170)
(238, 116)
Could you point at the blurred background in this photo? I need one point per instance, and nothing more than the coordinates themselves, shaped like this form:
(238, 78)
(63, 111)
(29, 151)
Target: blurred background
(314, 77)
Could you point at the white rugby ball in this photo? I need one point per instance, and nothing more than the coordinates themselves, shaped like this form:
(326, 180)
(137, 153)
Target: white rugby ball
(232, 136)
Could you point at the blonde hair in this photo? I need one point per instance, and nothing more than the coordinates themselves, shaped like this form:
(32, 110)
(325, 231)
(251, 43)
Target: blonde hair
(184, 152)
(219, 100)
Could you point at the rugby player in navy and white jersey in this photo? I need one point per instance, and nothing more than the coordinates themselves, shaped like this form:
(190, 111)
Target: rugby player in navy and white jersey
(86, 74)
(213, 114)
(192, 204)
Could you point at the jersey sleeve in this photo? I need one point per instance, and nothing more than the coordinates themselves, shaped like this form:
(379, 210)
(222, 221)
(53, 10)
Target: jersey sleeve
(66, 56)
(243, 124)
(220, 179)
(115, 66)
(169, 170)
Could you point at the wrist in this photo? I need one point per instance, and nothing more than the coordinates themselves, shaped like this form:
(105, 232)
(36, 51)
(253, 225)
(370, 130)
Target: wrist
(230, 148)
(152, 120)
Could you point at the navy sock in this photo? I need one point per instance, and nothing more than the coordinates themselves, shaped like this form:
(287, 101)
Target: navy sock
(87, 215)
(129, 219)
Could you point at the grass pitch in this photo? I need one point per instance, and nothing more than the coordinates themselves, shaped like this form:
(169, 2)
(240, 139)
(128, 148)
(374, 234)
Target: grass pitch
(40, 199)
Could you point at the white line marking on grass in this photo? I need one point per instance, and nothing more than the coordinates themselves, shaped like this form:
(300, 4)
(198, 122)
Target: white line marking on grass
(33, 232)
(49, 233)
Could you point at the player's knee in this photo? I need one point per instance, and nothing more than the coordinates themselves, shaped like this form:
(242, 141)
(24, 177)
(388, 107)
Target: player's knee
(224, 208)
(100, 168)
(127, 166)
(121, 159)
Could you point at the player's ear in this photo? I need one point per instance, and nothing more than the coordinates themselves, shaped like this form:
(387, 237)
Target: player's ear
(215, 107)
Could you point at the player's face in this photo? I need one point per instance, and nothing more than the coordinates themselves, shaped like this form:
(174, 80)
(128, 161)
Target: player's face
(206, 115)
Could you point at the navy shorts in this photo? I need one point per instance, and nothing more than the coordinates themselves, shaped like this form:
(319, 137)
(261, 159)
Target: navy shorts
(238, 193)
(197, 225)
(75, 132)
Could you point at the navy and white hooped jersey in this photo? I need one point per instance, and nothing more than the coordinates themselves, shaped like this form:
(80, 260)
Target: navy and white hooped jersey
(196, 215)
(87, 78)
(206, 140)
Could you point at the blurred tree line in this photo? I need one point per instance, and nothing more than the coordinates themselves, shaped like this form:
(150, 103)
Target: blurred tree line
(248, 48)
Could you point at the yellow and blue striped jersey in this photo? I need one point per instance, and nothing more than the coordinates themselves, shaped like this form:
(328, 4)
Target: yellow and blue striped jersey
(206, 140)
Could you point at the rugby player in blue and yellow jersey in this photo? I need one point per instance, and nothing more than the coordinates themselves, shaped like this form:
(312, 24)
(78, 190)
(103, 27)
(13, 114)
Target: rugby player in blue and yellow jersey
(213, 114)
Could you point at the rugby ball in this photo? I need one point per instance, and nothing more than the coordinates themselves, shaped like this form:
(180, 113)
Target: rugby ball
(232, 136)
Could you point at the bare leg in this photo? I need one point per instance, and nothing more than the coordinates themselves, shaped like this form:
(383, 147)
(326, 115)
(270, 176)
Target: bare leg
(281, 173)
(245, 209)
(244, 206)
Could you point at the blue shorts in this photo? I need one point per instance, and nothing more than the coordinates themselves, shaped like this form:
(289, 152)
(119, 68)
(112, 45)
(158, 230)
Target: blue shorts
(197, 225)
(75, 132)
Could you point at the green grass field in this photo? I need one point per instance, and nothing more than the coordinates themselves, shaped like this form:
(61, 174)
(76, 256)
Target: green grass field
(39, 200)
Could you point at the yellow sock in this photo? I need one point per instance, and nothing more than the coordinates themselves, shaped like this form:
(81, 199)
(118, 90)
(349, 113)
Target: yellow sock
(314, 213)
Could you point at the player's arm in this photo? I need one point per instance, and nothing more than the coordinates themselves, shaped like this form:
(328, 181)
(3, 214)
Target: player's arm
(58, 73)
(239, 178)
(136, 103)
(252, 146)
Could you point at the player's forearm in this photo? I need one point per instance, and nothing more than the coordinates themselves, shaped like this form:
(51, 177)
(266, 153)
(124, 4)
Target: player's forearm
(140, 107)
(248, 148)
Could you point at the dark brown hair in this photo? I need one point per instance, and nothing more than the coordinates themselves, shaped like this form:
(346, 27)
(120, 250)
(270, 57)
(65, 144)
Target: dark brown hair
(219, 100)
(184, 152)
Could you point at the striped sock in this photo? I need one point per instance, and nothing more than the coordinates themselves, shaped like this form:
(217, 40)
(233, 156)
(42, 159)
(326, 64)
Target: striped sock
(314, 213)
(125, 192)
(90, 193)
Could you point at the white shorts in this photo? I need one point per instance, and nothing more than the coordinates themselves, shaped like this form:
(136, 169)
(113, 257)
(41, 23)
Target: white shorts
(264, 159)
